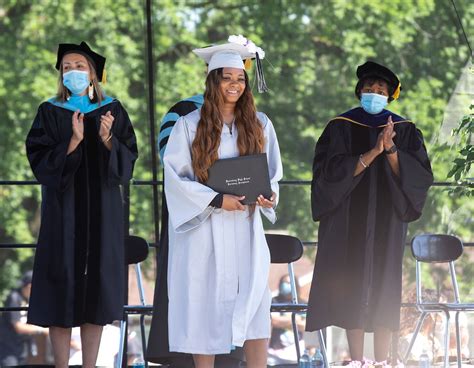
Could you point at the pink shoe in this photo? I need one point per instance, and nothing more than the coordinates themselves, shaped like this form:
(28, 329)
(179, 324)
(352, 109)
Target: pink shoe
(386, 364)
(367, 363)
(355, 364)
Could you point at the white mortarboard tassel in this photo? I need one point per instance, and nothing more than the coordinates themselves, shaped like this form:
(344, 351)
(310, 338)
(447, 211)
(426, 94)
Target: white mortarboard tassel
(261, 84)
(231, 54)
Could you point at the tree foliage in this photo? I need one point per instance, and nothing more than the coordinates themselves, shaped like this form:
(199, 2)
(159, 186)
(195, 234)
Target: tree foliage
(461, 169)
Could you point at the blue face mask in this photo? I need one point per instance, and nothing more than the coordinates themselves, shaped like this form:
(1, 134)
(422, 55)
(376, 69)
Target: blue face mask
(373, 103)
(76, 81)
(285, 288)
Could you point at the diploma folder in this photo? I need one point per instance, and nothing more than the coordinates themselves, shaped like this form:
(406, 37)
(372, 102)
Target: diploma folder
(242, 175)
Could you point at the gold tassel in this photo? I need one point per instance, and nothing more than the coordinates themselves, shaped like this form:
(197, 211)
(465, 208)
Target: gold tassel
(396, 94)
(248, 64)
(104, 77)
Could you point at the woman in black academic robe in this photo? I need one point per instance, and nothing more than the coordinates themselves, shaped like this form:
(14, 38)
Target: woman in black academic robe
(371, 175)
(81, 148)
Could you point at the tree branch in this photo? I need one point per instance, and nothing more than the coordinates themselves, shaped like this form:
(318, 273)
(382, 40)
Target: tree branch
(215, 4)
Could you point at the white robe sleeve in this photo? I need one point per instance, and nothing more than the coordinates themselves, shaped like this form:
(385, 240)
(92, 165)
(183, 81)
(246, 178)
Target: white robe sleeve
(188, 200)
(275, 167)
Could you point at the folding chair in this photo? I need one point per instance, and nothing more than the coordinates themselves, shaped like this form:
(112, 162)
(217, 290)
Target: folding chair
(432, 248)
(136, 251)
(288, 249)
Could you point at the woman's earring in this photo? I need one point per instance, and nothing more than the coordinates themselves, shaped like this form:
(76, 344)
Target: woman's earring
(91, 91)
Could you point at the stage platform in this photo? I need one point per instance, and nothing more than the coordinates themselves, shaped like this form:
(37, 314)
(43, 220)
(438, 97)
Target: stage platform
(453, 364)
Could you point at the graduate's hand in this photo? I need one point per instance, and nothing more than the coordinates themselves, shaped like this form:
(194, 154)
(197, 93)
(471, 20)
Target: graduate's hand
(77, 126)
(388, 134)
(267, 203)
(232, 203)
(106, 122)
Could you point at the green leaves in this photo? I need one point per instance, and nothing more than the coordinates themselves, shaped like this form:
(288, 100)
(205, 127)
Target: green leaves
(461, 168)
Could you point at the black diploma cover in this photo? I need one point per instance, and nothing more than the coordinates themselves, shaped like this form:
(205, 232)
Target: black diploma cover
(242, 175)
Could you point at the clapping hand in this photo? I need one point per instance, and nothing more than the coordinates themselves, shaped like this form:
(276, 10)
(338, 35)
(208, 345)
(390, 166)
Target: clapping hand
(388, 134)
(106, 122)
(78, 126)
(385, 138)
(378, 148)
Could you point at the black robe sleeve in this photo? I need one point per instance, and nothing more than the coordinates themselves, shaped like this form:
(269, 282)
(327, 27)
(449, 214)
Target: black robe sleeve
(333, 170)
(46, 148)
(410, 190)
(120, 160)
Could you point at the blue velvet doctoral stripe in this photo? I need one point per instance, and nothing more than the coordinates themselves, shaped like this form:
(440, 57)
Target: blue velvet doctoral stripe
(197, 99)
(359, 115)
(181, 108)
(81, 103)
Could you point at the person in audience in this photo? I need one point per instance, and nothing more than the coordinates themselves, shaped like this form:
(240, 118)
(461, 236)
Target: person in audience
(16, 336)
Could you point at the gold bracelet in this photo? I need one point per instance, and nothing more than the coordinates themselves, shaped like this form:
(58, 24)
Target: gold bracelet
(362, 162)
(108, 138)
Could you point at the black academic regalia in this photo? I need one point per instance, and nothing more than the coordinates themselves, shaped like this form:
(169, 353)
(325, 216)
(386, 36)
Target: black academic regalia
(79, 272)
(363, 221)
(158, 344)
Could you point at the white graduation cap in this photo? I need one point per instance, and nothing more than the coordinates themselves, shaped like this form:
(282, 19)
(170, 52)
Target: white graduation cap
(232, 55)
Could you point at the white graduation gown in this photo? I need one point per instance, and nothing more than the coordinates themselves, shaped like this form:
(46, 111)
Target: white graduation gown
(218, 260)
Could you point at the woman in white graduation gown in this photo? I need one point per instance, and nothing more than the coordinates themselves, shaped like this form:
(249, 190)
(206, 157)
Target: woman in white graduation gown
(218, 258)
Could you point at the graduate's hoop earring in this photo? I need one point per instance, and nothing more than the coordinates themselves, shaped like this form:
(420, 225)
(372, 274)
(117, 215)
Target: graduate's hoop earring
(91, 91)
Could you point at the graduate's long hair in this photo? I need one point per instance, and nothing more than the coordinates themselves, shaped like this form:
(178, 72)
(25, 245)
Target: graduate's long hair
(63, 93)
(208, 135)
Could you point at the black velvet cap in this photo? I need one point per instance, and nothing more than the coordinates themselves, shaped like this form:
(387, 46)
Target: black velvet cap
(373, 69)
(84, 49)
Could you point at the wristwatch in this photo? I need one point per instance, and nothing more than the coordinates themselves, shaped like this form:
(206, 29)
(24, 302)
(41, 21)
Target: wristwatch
(391, 150)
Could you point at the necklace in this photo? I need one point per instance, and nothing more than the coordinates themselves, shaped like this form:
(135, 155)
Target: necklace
(229, 125)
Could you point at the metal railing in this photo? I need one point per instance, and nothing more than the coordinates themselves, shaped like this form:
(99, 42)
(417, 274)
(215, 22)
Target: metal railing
(148, 309)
